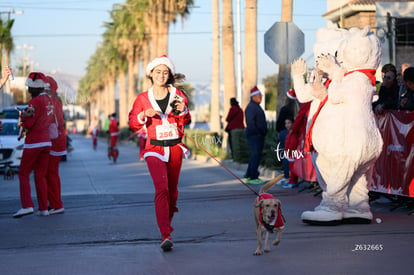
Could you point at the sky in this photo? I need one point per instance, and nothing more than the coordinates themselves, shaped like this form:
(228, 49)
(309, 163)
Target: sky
(62, 35)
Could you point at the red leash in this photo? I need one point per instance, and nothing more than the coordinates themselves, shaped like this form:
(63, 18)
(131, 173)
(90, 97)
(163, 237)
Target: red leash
(228, 170)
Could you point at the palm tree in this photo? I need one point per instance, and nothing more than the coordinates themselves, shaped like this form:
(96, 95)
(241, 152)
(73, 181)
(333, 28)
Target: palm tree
(228, 53)
(215, 74)
(250, 49)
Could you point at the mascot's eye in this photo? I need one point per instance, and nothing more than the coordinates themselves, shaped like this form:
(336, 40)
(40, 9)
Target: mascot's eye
(336, 53)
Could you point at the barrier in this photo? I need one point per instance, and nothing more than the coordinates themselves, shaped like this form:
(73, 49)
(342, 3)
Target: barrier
(394, 170)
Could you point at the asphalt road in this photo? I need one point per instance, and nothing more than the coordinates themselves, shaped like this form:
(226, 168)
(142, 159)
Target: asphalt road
(109, 226)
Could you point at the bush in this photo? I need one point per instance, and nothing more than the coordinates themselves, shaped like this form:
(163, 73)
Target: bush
(209, 141)
(241, 149)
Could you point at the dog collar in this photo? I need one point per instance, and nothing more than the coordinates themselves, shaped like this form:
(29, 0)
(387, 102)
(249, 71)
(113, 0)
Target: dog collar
(277, 222)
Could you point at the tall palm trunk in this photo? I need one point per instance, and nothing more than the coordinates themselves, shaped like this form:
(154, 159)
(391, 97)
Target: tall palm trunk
(283, 82)
(215, 74)
(228, 53)
(123, 112)
(250, 50)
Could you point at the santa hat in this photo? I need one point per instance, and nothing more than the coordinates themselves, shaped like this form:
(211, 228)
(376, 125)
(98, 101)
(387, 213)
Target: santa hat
(162, 60)
(255, 91)
(291, 94)
(51, 84)
(36, 80)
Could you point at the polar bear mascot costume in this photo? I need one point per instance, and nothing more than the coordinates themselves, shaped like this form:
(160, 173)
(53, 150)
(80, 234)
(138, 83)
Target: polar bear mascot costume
(345, 135)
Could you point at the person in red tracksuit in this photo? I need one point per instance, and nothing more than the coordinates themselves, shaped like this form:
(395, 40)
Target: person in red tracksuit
(36, 147)
(163, 109)
(57, 151)
(113, 133)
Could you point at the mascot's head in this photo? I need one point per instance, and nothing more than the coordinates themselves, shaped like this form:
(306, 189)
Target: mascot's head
(328, 40)
(360, 50)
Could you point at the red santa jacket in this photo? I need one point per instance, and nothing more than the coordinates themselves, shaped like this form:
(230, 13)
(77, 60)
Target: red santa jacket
(59, 143)
(113, 127)
(38, 125)
(156, 134)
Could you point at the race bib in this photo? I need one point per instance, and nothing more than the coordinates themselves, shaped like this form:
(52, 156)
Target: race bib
(167, 131)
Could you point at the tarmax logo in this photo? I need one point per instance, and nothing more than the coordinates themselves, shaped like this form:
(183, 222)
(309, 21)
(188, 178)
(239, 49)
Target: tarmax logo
(394, 148)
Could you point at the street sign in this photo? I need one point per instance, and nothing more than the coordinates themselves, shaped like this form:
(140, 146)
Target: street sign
(284, 42)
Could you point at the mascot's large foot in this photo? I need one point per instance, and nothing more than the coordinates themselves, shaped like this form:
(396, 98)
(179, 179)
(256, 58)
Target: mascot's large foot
(355, 217)
(322, 217)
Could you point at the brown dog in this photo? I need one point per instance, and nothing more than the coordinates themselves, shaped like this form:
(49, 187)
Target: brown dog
(27, 112)
(268, 217)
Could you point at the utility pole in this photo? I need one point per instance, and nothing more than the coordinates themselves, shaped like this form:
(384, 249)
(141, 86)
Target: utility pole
(284, 69)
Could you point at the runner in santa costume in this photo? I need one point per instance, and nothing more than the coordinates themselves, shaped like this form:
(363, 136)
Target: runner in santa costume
(57, 151)
(36, 147)
(163, 109)
(95, 134)
(113, 133)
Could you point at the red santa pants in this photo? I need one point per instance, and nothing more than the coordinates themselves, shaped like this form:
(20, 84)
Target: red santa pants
(165, 177)
(53, 183)
(114, 140)
(36, 159)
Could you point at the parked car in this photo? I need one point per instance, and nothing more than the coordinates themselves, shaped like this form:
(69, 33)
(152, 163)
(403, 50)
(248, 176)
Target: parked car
(11, 149)
(12, 111)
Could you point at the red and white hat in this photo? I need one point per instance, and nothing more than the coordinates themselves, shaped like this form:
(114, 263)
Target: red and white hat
(254, 91)
(36, 80)
(162, 60)
(291, 93)
(51, 84)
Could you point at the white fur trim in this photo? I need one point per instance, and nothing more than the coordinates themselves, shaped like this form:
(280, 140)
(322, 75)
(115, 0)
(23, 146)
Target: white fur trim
(58, 154)
(140, 120)
(38, 83)
(37, 145)
(255, 93)
(162, 60)
(163, 158)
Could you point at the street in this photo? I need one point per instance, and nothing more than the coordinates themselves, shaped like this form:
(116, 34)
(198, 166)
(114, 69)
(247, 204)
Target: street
(109, 226)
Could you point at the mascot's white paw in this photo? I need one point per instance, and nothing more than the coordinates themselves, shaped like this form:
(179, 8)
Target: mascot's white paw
(357, 217)
(322, 217)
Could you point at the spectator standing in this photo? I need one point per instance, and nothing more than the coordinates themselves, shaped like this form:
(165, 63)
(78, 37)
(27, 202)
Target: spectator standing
(36, 147)
(287, 111)
(407, 100)
(57, 151)
(389, 90)
(235, 119)
(282, 140)
(256, 130)
(163, 109)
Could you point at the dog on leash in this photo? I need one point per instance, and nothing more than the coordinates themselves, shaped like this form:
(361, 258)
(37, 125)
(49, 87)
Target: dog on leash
(8, 173)
(268, 217)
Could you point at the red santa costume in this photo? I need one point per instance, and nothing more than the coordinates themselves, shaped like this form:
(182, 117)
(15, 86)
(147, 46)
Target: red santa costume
(95, 134)
(57, 151)
(36, 147)
(113, 133)
(163, 150)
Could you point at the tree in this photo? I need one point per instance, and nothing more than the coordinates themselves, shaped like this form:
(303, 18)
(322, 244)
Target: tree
(250, 50)
(228, 53)
(215, 74)
(270, 83)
